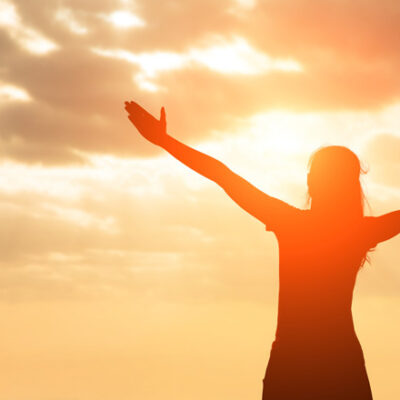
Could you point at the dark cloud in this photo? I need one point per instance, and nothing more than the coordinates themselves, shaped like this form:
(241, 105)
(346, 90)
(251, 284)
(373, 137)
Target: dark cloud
(348, 52)
(38, 153)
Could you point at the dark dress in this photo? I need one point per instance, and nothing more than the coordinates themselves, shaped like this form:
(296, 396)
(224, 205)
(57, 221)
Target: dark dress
(316, 353)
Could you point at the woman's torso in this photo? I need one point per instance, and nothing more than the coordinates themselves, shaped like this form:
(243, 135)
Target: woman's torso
(318, 264)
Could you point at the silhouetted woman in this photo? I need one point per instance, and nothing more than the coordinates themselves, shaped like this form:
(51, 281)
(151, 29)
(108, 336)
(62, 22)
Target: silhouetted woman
(316, 353)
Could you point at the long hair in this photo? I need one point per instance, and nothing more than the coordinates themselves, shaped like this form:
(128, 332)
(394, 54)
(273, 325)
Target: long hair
(334, 184)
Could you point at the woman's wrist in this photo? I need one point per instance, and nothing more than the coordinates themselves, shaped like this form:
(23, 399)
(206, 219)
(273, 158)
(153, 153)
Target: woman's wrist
(164, 141)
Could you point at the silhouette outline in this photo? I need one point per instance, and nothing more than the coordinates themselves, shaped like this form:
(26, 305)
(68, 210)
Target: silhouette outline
(316, 353)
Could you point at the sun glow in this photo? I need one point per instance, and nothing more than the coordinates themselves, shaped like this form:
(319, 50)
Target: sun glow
(236, 56)
(239, 57)
(13, 93)
(120, 263)
(124, 19)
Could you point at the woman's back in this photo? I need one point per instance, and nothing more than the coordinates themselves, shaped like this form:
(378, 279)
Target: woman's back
(316, 348)
(318, 263)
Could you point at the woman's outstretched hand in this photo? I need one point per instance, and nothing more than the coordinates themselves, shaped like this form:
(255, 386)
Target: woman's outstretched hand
(154, 130)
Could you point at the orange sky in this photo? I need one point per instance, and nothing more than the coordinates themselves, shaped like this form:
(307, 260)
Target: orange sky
(123, 274)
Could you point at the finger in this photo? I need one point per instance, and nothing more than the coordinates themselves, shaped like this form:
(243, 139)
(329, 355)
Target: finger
(163, 120)
(135, 108)
(134, 121)
(131, 107)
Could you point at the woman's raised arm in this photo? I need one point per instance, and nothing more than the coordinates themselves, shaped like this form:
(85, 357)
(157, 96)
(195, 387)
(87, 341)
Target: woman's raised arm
(254, 201)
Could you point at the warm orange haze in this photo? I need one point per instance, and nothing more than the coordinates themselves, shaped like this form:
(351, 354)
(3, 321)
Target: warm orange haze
(126, 275)
(316, 353)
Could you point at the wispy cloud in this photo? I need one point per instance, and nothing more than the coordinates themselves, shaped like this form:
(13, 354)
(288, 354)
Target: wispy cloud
(66, 17)
(26, 37)
(123, 19)
(226, 66)
(222, 56)
(13, 93)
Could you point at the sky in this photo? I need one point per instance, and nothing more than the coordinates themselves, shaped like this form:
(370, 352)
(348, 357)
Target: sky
(123, 274)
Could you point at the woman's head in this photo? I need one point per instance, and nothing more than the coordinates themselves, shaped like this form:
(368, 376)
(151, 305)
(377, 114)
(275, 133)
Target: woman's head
(334, 181)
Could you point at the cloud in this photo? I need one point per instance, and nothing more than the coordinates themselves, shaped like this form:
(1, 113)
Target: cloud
(232, 58)
(34, 153)
(26, 37)
(10, 93)
(238, 57)
(383, 151)
(66, 17)
(101, 234)
(124, 19)
(56, 234)
(124, 226)
(220, 65)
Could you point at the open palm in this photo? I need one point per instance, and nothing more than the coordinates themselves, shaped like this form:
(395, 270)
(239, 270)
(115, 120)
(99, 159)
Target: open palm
(152, 129)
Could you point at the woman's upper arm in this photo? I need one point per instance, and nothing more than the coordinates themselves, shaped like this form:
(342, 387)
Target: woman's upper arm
(269, 210)
(385, 226)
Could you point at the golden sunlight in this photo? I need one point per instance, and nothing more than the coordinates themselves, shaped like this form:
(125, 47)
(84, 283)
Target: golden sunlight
(26, 37)
(238, 57)
(124, 19)
(13, 93)
(126, 270)
(220, 56)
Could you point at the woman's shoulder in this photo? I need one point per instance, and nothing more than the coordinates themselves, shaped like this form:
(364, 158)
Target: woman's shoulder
(290, 221)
